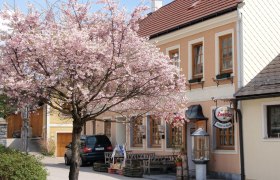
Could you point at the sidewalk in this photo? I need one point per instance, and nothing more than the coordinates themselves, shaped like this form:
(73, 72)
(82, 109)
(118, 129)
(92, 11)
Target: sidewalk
(58, 171)
(161, 177)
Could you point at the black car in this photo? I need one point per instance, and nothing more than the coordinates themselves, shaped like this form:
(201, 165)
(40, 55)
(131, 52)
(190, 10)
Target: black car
(92, 149)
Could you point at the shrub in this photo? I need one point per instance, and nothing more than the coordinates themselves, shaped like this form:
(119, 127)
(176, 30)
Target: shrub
(47, 147)
(15, 165)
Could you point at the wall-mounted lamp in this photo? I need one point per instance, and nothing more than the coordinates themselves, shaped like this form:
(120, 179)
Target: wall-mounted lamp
(161, 131)
(142, 130)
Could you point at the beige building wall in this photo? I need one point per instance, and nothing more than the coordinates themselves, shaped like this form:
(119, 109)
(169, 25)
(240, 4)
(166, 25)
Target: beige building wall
(225, 161)
(209, 52)
(261, 154)
(57, 118)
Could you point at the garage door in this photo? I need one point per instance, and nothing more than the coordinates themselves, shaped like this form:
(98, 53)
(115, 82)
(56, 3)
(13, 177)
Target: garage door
(63, 139)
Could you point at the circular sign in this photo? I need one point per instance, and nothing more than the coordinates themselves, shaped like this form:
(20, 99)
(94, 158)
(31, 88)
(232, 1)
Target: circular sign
(224, 113)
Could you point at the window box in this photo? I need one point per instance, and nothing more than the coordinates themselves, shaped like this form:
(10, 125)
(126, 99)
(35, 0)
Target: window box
(195, 80)
(223, 76)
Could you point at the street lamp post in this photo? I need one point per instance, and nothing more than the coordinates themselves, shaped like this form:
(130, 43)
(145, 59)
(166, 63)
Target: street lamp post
(200, 152)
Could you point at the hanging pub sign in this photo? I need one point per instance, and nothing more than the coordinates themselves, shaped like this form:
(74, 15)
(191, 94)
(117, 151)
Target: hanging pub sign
(223, 115)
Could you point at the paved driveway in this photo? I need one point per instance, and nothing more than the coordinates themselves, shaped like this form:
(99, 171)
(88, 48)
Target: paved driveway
(58, 171)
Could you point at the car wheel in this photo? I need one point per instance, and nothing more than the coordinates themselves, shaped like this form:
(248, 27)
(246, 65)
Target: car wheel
(66, 161)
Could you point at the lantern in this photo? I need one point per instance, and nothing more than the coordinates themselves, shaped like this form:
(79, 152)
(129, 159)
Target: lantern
(200, 152)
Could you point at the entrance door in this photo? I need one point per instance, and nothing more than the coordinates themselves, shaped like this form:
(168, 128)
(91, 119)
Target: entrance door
(190, 129)
(14, 125)
(36, 122)
(63, 139)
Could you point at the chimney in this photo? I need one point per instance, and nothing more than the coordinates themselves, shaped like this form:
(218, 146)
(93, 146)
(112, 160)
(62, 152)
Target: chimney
(156, 4)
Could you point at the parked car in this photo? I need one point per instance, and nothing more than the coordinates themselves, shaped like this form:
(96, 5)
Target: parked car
(92, 149)
(16, 134)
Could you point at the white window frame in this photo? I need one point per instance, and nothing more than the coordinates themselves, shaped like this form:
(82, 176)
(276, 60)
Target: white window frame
(173, 48)
(264, 121)
(190, 57)
(217, 50)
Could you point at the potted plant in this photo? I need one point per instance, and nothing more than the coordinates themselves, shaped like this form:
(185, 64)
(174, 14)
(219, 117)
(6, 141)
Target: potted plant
(178, 160)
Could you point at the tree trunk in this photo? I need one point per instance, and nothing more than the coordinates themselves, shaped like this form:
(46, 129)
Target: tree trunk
(75, 160)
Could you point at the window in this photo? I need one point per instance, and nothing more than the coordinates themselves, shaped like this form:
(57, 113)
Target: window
(136, 134)
(225, 138)
(175, 136)
(107, 128)
(273, 121)
(197, 60)
(174, 56)
(154, 132)
(225, 53)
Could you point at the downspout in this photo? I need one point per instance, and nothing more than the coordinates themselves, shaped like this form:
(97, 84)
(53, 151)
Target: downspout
(240, 122)
(239, 44)
(240, 83)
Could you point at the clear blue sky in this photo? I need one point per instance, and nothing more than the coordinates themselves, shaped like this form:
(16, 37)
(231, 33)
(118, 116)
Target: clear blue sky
(129, 4)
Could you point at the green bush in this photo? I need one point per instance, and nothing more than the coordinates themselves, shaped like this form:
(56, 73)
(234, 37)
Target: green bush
(15, 165)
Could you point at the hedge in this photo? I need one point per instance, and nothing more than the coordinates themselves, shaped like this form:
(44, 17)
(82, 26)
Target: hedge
(15, 165)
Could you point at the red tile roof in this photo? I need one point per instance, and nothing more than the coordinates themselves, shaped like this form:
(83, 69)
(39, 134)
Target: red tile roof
(181, 13)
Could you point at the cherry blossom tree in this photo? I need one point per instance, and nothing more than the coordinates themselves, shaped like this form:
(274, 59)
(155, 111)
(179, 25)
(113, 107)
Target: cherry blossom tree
(85, 63)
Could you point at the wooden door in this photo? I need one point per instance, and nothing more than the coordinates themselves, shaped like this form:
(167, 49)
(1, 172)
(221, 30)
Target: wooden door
(14, 124)
(36, 122)
(63, 139)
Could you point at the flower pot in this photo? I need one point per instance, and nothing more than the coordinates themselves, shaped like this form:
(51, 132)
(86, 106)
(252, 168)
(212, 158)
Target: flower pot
(178, 164)
(111, 171)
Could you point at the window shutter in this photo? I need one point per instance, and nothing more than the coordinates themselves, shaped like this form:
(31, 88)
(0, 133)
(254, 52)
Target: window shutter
(168, 135)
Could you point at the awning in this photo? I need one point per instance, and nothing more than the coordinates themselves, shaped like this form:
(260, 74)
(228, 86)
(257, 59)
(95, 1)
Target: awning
(194, 112)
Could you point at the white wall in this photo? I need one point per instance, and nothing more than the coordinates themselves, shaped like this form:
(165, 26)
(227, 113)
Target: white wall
(262, 155)
(261, 30)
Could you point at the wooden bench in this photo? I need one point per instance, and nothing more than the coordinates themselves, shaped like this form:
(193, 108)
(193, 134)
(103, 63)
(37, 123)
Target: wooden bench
(107, 157)
(162, 162)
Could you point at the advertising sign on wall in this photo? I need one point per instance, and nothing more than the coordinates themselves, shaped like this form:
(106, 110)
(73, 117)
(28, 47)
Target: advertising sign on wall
(223, 115)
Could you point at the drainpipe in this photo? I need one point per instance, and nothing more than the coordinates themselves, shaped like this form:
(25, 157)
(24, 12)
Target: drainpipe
(240, 83)
(237, 108)
(242, 166)
(239, 45)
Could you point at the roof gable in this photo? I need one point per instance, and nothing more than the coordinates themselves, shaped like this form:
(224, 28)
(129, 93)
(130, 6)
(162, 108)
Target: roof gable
(183, 12)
